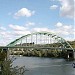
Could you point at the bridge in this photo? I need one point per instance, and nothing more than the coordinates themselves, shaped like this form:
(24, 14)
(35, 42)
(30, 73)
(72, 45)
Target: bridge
(40, 41)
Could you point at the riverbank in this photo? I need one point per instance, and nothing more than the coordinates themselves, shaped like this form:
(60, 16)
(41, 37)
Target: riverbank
(41, 53)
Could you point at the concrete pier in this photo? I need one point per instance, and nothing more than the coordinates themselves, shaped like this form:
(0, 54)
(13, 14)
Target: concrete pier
(70, 55)
(74, 55)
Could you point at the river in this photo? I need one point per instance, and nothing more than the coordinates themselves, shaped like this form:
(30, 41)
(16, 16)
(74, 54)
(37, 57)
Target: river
(45, 66)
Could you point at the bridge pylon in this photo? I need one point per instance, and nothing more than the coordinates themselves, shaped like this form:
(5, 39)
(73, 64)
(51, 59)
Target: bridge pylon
(70, 54)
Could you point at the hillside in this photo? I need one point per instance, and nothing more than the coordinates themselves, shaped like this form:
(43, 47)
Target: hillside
(72, 43)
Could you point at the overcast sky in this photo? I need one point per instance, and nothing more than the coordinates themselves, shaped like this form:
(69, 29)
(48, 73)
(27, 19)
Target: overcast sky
(21, 17)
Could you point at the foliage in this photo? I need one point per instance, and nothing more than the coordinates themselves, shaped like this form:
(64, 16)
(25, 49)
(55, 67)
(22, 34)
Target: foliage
(6, 65)
(72, 43)
(8, 69)
(44, 52)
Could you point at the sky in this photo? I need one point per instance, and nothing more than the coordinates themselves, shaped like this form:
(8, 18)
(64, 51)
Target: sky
(21, 17)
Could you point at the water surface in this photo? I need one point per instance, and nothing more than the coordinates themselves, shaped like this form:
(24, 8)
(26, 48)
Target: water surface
(45, 66)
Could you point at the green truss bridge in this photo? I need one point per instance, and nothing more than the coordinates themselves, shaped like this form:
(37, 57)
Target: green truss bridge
(42, 41)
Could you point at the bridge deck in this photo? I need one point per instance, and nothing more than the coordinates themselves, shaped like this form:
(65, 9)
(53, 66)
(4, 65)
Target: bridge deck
(36, 47)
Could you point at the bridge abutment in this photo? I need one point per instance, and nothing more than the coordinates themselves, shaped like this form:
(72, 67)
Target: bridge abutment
(74, 55)
(70, 55)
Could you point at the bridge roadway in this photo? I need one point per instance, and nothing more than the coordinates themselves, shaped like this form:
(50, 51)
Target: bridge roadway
(36, 47)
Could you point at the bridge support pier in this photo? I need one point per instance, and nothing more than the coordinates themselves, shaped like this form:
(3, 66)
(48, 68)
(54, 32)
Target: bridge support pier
(74, 55)
(70, 55)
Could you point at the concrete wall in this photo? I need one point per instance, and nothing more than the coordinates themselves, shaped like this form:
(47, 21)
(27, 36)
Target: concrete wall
(74, 55)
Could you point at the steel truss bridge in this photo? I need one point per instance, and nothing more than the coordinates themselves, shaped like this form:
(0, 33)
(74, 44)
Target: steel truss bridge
(40, 41)
(43, 40)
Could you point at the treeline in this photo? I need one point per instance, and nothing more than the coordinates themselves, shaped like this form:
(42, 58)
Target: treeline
(41, 53)
(44, 52)
(72, 43)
